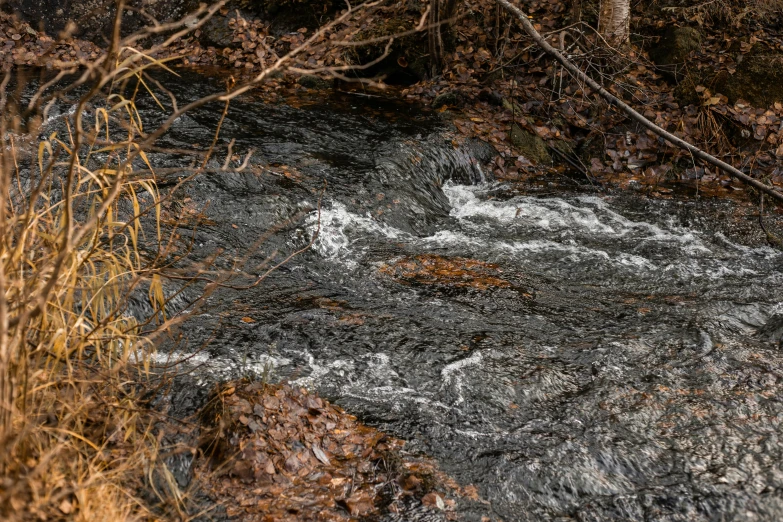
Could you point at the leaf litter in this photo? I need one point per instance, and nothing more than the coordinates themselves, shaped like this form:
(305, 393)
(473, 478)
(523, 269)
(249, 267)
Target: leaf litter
(280, 453)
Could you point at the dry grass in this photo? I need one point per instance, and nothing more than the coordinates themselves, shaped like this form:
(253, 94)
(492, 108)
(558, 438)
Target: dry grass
(78, 237)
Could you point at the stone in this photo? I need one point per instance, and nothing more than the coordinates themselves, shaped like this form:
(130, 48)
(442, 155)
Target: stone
(314, 82)
(218, 32)
(450, 99)
(758, 79)
(672, 50)
(530, 145)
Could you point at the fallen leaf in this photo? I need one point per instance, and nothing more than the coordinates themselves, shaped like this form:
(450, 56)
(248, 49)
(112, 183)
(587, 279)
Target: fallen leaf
(320, 455)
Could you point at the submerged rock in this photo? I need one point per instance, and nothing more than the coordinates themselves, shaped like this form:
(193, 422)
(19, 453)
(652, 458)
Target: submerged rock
(454, 272)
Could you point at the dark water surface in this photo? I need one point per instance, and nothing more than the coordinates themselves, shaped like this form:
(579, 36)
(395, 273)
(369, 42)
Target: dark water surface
(628, 369)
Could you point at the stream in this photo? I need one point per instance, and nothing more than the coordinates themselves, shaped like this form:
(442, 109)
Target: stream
(602, 357)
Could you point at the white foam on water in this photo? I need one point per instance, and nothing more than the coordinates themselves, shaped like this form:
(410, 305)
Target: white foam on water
(393, 396)
(570, 252)
(591, 216)
(547, 214)
(568, 224)
(260, 364)
(563, 231)
(452, 374)
(337, 239)
(318, 371)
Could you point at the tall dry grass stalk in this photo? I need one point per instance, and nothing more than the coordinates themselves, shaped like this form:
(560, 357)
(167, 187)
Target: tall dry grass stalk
(76, 440)
(80, 234)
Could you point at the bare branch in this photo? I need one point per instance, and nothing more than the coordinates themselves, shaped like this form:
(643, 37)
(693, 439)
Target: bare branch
(633, 113)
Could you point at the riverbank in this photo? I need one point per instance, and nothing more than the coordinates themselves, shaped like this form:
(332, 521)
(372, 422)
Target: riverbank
(492, 88)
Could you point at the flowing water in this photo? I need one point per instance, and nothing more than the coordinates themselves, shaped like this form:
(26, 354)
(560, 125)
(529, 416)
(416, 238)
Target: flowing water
(605, 358)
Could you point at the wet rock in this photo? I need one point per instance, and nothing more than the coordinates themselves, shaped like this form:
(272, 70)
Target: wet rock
(451, 99)
(672, 50)
(772, 331)
(480, 149)
(314, 82)
(530, 145)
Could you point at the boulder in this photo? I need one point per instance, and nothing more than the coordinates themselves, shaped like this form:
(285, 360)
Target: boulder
(671, 52)
(530, 145)
(758, 79)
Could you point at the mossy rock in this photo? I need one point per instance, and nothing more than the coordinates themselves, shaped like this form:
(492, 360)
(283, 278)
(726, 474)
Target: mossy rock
(451, 98)
(758, 80)
(671, 52)
(314, 82)
(530, 145)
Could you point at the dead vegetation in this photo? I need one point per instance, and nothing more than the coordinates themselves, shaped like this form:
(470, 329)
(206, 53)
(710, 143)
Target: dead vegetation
(280, 453)
(80, 238)
(76, 434)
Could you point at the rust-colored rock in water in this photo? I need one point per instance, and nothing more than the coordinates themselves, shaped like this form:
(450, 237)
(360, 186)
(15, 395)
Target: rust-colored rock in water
(460, 272)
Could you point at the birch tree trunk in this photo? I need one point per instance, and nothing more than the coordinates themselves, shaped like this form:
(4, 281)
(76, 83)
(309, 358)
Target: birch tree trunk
(614, 21)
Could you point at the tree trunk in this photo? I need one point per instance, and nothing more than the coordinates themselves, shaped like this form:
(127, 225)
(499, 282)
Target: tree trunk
(614, 21)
